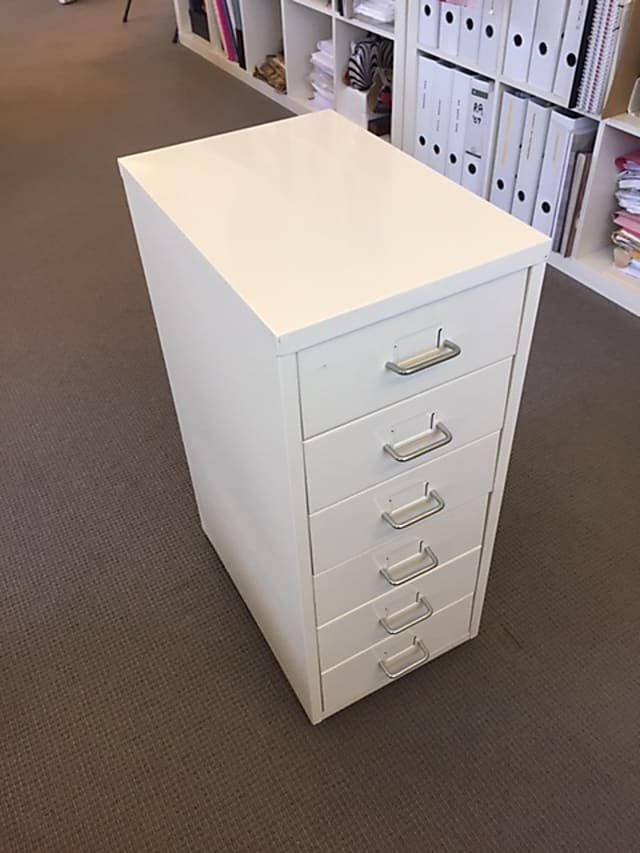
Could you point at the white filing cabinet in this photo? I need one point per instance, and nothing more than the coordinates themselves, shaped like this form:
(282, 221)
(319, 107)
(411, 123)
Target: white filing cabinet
(346, 335)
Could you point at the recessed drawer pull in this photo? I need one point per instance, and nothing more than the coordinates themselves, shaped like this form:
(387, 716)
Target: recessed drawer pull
(417, 613)
(437, 437)
(387, 665)
(419, 565)
(416, 363)
(426, 507)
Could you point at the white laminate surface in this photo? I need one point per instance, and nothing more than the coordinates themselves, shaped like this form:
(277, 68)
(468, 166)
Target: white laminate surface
(320, 227)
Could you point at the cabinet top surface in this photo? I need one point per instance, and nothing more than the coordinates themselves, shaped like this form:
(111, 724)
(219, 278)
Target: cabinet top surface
(312, 218)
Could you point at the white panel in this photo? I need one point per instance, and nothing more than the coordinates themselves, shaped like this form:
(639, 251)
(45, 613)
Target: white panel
(546, 43)
(359, 580)
(570, 48)
(362, 674)
(534, 139)
(522, 23)
(507, 156)
(439, 115)
(566, 136)
(470, 28)
(347, 377)
(460, 97)
(450, 17)
(494, 20)
(200, 321)
(426, 101)
(429, 26)
(363, 627)
(355, 525)
(351, 458)
(477, 143)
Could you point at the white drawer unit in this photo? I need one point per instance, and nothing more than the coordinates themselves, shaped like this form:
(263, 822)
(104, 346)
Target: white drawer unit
(347, 405)
(399, 611)
(398, 438)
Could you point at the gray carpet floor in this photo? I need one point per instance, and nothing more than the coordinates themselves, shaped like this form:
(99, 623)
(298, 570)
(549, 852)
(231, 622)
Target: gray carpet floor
(140, 709)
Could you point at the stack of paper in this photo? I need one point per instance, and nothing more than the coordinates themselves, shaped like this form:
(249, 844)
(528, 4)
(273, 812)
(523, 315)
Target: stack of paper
(380, 11)
(626, 238)
(322, 75)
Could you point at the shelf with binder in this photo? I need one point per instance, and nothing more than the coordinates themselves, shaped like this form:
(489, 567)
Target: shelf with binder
(385, 30)
(572, 196)
(294, 27)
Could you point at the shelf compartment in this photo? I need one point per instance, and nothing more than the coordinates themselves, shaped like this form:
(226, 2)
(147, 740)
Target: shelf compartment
(304, 27)
(387, 31)
(261, 30)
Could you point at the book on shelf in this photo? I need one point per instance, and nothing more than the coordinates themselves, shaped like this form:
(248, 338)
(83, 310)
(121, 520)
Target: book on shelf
(223, 18)
(626, 238)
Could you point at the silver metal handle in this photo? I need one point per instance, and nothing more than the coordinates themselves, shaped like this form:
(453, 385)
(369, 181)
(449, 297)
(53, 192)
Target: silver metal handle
(437, 437)
(424, 611)
(426, 507)
(424, 657)
(421, 568)
(416, 363)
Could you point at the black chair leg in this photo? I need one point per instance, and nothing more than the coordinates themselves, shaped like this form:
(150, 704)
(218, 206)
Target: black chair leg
(125, 17)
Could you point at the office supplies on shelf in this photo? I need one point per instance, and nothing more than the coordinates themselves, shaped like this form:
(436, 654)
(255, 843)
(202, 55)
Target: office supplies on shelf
(450, 17)
(547, 39)
(522, 23)
(534, 138)
(477, 134)
(455, 147)
(236, 15)
(226, 30)
(505, 168)
(470, 27)
(429, 26)
(494, 14)
(570, 48)
(606, 36)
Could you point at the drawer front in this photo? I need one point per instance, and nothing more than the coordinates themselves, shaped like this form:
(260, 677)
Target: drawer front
(348, 377)
(358, 455)
(399, 612)
(433, 543)
(362, 674)
(372, 517)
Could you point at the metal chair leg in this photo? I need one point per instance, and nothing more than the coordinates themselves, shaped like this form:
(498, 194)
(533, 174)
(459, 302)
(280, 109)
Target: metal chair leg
(125, 17)
(174, 40)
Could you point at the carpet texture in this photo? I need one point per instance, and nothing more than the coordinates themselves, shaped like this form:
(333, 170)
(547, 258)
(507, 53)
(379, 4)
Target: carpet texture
(140, 709)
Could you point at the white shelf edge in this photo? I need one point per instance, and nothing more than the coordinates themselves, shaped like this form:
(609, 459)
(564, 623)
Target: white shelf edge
(386, 31)
(626, 122)
(597, 272)
(315, 6)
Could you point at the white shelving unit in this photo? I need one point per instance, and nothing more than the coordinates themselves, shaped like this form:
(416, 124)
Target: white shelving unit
(592, 259)
(295, 27)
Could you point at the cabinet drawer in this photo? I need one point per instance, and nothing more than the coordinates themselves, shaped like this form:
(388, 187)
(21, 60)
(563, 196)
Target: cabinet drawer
(363, 673)
(397, 612)
(360, 454)
(428, 492)
(350, 376)
(438, 540)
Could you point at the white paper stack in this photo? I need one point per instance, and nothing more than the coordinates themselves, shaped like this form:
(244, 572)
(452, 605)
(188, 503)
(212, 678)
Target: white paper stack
(323, 75)
(379, 11)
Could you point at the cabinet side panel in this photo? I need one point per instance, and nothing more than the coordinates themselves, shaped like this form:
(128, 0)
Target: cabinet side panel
(235, 407)
(518, 374)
